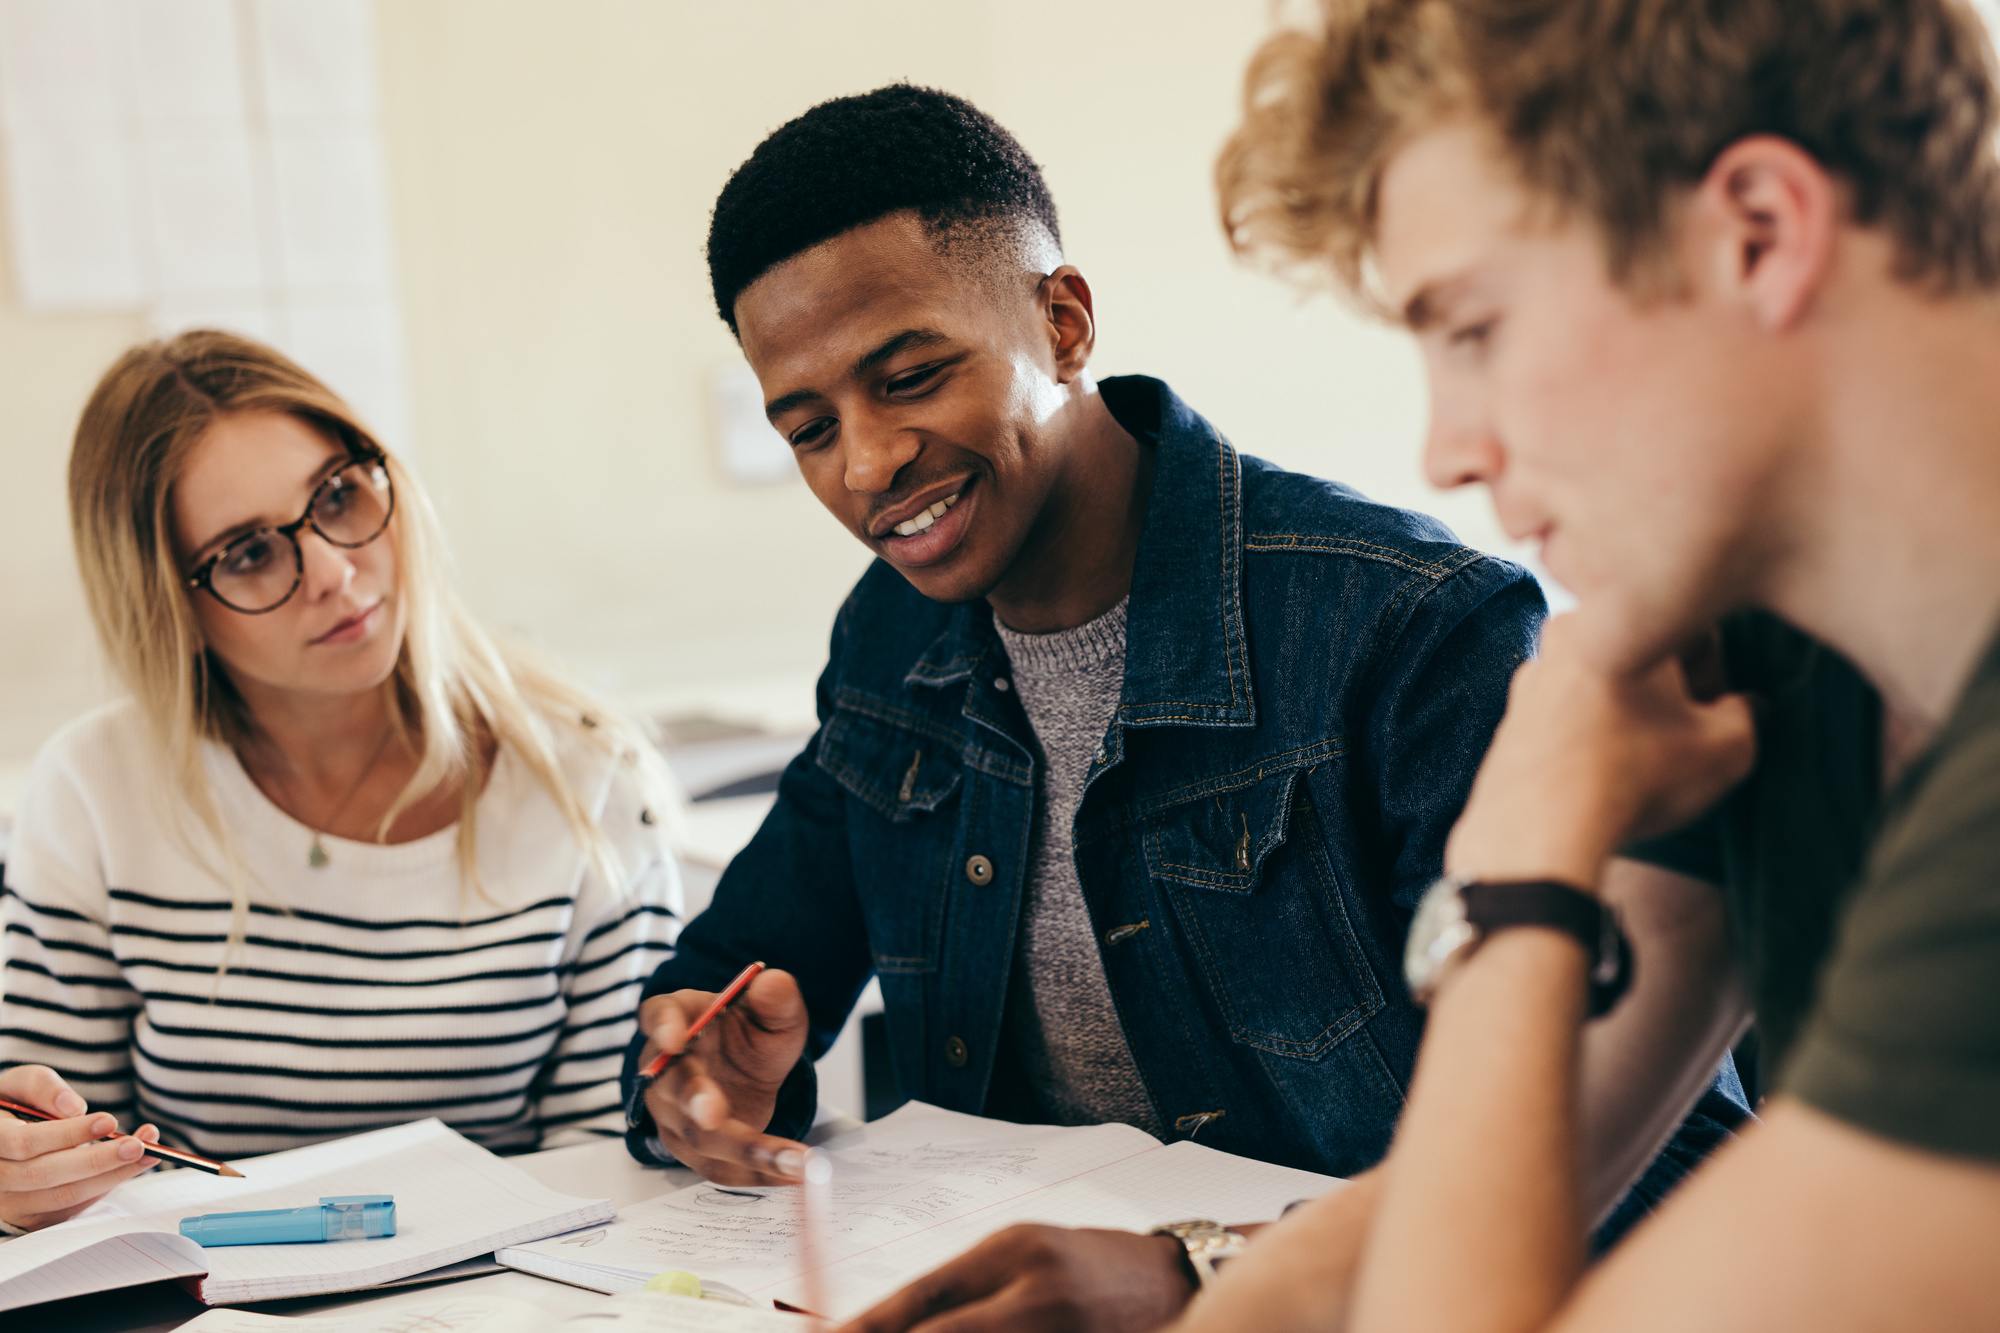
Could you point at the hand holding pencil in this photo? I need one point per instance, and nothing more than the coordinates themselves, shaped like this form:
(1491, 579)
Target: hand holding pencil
(718, 1088)
(51, 1170)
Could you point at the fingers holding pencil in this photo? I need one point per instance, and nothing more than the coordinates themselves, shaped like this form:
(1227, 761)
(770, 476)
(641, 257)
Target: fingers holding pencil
(56, 1186)
(52, 1169)
(39, 1085)
(715, 1095)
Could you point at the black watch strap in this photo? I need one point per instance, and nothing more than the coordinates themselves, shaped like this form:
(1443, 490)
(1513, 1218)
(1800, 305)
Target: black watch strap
(1492, 906)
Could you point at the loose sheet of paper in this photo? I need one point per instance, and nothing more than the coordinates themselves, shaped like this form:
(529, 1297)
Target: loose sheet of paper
(909, 1192)
(639, 1312)
(1168, 1184)
(454, 1200)
(913, 1170)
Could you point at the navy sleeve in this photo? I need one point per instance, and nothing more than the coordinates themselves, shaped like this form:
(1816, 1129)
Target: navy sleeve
(789, 899)
(1695, 851)
(1443, 691)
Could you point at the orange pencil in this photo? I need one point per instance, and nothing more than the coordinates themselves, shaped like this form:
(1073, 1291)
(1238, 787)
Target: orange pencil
(659, 1062)
(181, 1155)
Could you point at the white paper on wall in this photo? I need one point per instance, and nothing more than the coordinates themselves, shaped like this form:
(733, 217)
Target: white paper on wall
(57, 63)
(332, 208)
(182, 61)
(201, 209)
(210, 163)
(750, 452)
(73, 220)
(317, 59)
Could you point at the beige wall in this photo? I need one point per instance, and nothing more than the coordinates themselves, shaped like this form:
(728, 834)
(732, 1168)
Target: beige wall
(552, 167)
(49, 666)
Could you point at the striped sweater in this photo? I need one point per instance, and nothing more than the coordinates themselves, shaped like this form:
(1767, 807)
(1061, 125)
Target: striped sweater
(375, 989)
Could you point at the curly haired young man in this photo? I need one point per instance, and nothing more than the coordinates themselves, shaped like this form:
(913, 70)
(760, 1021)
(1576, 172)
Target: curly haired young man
(1706, 293)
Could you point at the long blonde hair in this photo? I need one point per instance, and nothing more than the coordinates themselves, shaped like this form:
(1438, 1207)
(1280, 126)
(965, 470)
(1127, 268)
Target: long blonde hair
(454, 693)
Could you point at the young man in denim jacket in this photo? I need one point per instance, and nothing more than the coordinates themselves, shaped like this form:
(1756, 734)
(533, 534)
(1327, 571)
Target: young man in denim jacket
(1134, 753)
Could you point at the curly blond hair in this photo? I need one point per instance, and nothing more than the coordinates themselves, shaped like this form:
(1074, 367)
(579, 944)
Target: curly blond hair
(1611, 108)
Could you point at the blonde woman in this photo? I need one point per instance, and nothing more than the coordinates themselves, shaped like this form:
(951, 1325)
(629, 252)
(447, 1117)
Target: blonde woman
(338, 861)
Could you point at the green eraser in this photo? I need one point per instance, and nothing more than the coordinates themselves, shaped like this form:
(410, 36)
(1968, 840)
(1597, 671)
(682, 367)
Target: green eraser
(676, 1282)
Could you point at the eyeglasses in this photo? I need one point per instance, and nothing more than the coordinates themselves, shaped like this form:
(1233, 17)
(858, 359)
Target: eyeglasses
(259, 571)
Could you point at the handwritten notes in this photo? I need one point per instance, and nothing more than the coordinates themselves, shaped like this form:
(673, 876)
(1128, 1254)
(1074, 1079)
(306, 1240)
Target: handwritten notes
(909, 1192)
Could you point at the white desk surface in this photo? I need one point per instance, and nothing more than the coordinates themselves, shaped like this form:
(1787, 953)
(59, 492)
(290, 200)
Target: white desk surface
(592, 1170)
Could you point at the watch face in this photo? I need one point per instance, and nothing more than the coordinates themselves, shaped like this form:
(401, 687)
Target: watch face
(1438, 931)
(1208, 1244)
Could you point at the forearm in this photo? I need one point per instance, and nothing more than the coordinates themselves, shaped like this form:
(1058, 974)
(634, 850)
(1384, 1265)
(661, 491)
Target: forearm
(1299, 1272)
(1647, 1062)
(1501, 1197)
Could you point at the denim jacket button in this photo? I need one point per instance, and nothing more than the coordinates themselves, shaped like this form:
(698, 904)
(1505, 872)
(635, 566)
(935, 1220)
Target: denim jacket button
(1102, 755)
(1001, 684)
(956, 1053)
(979, 870)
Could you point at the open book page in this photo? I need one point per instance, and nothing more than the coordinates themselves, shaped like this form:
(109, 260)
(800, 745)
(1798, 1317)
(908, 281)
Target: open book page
(104, 1264)
(454, 1200)
(909, 1192)
(638, 1312)
(902, 1174)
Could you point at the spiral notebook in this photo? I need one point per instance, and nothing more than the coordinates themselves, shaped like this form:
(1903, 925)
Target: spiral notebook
(454, 1200)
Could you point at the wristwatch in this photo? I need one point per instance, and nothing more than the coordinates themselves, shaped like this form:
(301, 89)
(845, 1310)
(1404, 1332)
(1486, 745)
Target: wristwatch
(1456, 914)
(1206, 1244)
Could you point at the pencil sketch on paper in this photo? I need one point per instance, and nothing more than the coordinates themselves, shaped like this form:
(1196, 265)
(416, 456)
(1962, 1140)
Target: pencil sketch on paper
(450, 1318)
(721, 1198)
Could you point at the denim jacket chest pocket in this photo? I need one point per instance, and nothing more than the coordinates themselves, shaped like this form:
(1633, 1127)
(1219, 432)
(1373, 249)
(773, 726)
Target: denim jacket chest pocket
(905, 778)
(897, 770)
(1254, 892)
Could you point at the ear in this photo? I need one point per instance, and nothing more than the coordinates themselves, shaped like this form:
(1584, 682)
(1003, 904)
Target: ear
(1763, 222)
(1071, 321)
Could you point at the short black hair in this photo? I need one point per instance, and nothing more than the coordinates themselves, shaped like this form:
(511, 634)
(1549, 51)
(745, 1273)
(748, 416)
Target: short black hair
(853, 160)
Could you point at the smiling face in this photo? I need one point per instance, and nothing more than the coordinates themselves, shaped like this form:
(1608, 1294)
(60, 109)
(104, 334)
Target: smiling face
(1638, 443)
(921, 398)
(342, 629)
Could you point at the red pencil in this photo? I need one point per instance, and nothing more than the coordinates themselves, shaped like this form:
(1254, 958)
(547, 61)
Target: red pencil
(734, 989)
(181, 1155)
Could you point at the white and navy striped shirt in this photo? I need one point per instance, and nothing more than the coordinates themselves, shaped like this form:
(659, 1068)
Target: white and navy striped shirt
(379, 988)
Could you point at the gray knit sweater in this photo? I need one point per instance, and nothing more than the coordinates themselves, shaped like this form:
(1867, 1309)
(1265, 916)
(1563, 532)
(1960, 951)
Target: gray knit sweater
(1062, 1036)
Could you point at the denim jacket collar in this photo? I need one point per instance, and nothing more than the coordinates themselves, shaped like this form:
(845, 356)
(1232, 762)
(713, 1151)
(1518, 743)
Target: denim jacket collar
(1187, 659)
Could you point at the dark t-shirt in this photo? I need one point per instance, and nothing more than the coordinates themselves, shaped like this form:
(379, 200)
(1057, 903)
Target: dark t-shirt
(1867, 925)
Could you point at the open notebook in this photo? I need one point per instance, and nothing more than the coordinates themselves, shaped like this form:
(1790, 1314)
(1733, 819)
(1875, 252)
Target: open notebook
(454, 1200)
(907, 1193)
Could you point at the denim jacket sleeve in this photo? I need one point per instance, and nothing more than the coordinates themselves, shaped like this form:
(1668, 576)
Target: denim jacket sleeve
(1443, 691)
(1443, 698)
(787, 898)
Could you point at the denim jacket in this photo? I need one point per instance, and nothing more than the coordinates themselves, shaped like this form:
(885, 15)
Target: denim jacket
(1310, 682)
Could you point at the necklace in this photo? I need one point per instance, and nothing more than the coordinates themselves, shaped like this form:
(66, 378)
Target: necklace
(316, 856)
